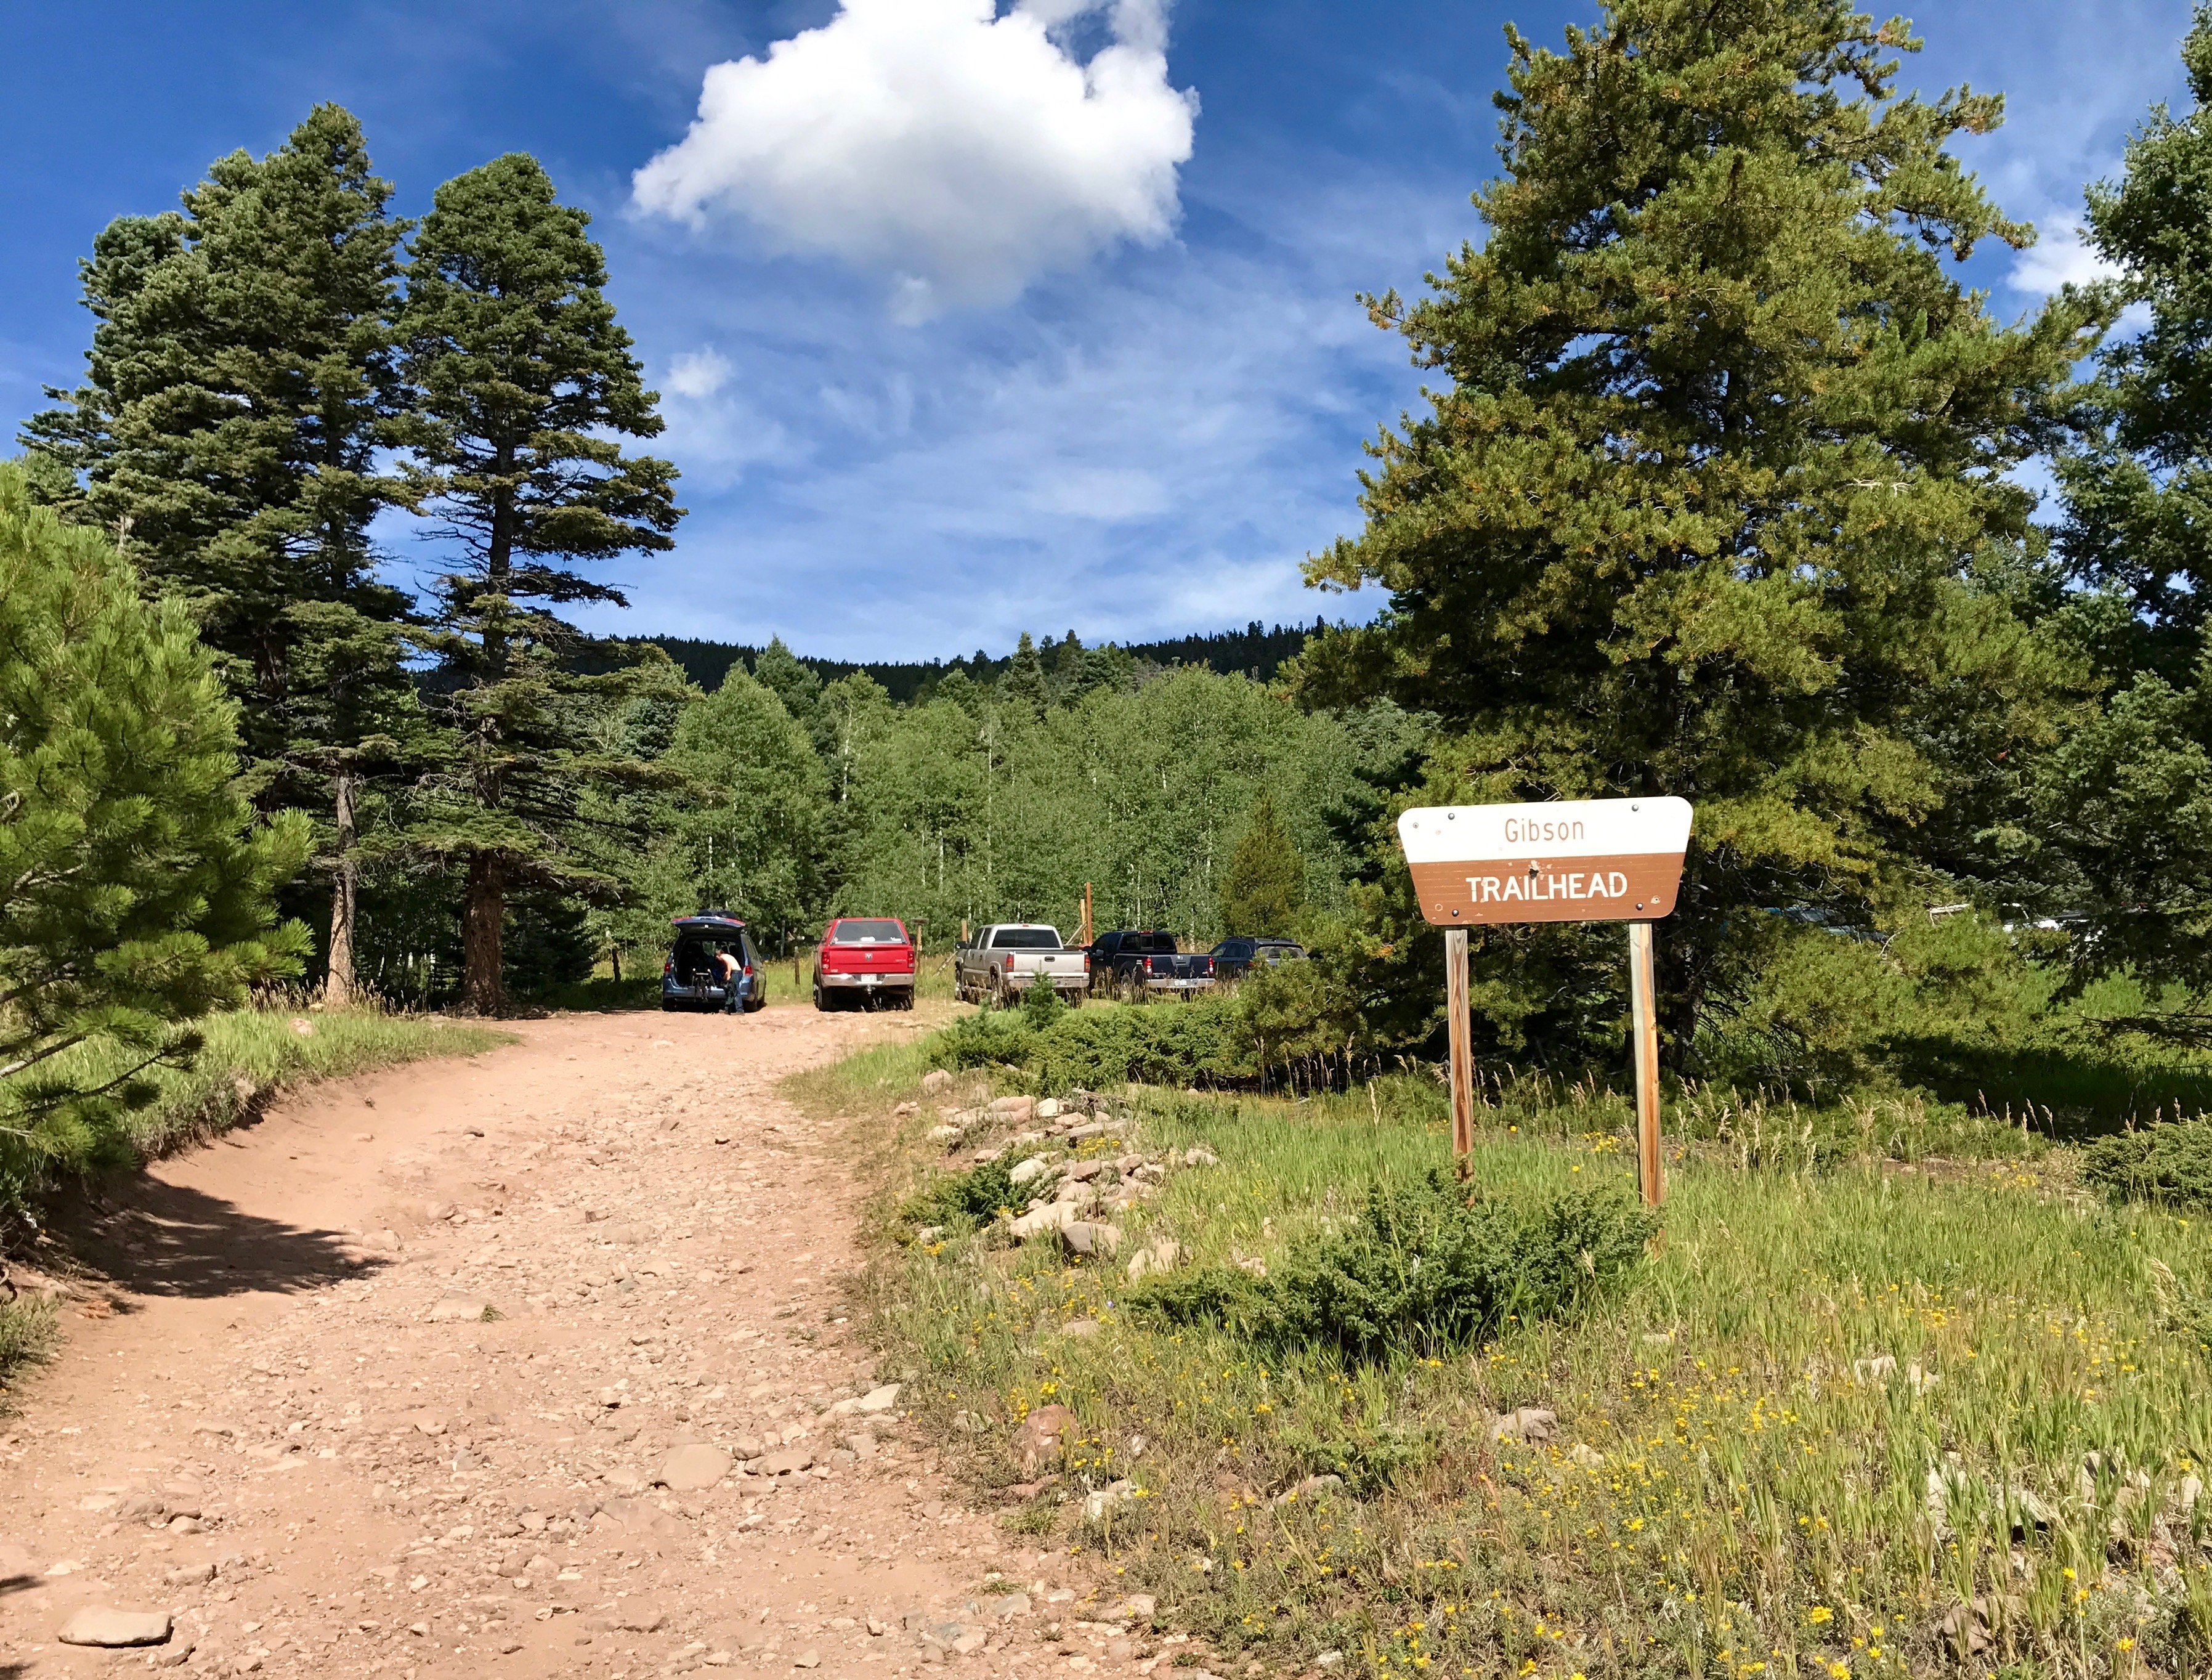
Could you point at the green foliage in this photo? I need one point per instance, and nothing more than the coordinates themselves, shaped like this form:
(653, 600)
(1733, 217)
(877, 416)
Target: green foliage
(522, 384)
(1041, 1004)
(1264, 885)
(136, 894)
(1426, 1267)
(963, 1201)
(1707, 496)
(242, 384)
(760, 796)
(2168, 1165)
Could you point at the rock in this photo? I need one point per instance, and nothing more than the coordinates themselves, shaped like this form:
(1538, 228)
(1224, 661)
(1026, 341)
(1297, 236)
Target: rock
(693, 1469)
(1587, 1457)
(1079, 1328)
(191, 1574)
(1161, 1254)
(113, 1630)
(861, 1447)
(1920, 1381)
(1252, 1263)
(1120, 1650)
(1879, 1369)
(1137, 1607)
(1047, 1218)
(1050, 1109)
(1086, 1236)
(809, 1657)
(944, 1133)
(1042, 1435)
(178, 1654)
(138, 1508)
(1200, 1156)
(459, 1309)
(876, 1401)
(1007, 1606)
(789, 1462)
(1014, 1108)
(1098, 1507)
(1528, 1423)
(436, 1211)
(971, 1641)
(636, 1618)
(1082, 1173)
(428, 1423)
(1329, 1659)
(936, 1082)
(627, 1479)
(1312, 1487)
(1029, 1171)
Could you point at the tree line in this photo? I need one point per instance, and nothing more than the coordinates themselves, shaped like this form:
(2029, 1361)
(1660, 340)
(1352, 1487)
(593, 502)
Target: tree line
(1716, 492)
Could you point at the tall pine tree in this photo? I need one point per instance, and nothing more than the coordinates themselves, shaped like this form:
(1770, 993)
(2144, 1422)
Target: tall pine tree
(521, 382)
(2126, 800)
(242, 383)
(1718, 449)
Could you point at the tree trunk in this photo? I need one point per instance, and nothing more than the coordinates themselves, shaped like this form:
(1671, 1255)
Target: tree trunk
(484, 980)
(614, 954)
(338, 990)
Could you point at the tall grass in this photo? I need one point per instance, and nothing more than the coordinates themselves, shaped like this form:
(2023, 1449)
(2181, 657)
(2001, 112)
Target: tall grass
(1873, 1406)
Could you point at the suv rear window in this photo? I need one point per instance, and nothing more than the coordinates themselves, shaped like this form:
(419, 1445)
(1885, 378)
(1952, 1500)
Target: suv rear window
(1026, 939)
(869, 932)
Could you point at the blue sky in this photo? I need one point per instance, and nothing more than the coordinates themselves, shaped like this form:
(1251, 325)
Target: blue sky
(954, 345)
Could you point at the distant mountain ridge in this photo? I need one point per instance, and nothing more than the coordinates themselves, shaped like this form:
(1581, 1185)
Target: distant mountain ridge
(1257, 651)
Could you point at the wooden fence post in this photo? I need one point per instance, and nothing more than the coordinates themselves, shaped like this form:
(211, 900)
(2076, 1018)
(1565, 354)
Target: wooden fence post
(1463, 1056)
(1645, 1032)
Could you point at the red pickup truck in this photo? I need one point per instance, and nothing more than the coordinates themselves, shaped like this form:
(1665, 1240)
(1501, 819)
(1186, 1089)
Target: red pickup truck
(864, 959)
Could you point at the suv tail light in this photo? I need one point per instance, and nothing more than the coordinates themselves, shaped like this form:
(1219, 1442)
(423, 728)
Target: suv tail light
(667, 966)
(1148, 965)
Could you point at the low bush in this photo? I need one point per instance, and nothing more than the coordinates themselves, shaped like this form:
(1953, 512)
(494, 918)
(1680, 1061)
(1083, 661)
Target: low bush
(2170, 1165)
(964, 1200)
(1424, 1268)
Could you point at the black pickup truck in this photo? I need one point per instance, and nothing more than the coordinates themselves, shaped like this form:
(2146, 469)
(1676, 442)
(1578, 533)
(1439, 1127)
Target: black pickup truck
(1132, 963)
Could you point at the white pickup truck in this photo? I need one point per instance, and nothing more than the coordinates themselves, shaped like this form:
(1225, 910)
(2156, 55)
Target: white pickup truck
(1004, 960)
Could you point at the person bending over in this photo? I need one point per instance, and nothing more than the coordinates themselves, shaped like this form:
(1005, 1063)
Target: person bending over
(727, 961)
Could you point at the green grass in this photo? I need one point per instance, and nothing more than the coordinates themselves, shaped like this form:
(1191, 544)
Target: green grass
(1892, 1397)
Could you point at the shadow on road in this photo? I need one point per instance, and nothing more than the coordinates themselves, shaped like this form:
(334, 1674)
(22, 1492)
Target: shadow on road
(173, 1240)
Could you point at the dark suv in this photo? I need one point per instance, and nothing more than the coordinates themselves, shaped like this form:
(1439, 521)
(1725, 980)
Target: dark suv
(1239, 953)
(692, 979)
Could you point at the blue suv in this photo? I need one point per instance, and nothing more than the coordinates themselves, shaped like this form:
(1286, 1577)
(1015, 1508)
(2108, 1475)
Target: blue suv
(693, 976)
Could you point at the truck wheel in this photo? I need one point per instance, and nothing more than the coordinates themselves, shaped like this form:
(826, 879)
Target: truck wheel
(903, 1000)
(821, 998)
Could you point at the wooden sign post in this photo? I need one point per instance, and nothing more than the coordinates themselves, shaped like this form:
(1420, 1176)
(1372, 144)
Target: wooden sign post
(1599, 860)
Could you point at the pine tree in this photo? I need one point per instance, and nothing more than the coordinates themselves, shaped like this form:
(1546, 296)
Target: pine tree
(242, 382)
(520, 378)
(1719, 454)
(2126, 800)
(1265, 887)
(1024, 683)
(136, 892)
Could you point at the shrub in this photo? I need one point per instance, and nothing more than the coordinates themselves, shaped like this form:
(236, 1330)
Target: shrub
(1041, 1004)
(1422, 1268)
(984, 1040)
(965, 1200)
(2169, 1164)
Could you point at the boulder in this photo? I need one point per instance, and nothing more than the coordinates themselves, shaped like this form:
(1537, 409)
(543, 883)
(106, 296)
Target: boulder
(694, 1468)
(1042, 1435)
(1095, 1238)
(1050, 1217)
(1527, 1423)
(936, 1082)
(789, 1462)
(1161, 1254)
(1050, 1109)
(1098, 1507)
(1014, 1108)
(459, 1309)
(113, 1629)
(1033, 1168)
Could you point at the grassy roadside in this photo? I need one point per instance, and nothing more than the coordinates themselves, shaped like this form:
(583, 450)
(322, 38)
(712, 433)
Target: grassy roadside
(1872, 1407)
(249, 1056)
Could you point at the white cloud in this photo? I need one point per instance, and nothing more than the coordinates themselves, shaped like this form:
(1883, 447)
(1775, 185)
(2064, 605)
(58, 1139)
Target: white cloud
(2059, 258)
(956, 153)
(698, 374)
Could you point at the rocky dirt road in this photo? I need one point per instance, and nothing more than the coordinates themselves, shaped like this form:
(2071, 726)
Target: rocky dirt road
(528, 1364)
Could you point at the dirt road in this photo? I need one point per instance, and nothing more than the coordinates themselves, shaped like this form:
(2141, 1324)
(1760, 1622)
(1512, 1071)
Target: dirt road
(457, 1370)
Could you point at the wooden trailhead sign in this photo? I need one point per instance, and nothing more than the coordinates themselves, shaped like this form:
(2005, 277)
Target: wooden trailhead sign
(1591, 859)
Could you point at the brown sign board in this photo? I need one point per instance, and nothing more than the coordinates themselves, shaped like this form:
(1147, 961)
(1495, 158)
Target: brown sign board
(1595, 860)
